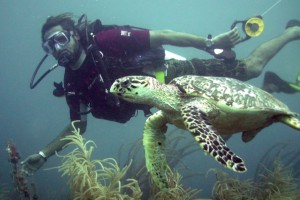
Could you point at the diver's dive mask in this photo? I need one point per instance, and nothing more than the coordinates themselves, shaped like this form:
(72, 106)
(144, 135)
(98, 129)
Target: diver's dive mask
(57, 45)
(57, 41)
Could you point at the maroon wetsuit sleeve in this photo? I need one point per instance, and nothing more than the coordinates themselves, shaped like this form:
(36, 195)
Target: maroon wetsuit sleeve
(123, 42)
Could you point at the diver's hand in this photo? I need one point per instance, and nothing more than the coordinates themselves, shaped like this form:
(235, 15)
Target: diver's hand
(228, 39)
(32, 163)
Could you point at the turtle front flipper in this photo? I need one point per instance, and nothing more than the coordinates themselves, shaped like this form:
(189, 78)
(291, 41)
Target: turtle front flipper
(197, 122)
(154, 146)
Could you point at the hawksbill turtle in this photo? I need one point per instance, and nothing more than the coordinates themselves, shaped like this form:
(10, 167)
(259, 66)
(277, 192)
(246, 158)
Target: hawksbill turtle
(207, 107)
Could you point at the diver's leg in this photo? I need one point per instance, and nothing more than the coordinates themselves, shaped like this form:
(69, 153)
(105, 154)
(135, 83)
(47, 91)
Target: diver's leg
(243, 70)
(205, 67)
(176, 68)
(258, 59)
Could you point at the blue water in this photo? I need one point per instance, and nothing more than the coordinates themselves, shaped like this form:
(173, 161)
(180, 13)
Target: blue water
(32, 118)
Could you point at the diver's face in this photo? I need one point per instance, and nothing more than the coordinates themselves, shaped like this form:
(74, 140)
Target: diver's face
(63, 45)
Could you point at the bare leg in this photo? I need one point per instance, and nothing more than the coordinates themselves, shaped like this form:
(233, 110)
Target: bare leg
(243, 70)
(258, 59)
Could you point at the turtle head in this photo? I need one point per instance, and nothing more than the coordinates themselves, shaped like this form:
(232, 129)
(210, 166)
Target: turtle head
(136, 89)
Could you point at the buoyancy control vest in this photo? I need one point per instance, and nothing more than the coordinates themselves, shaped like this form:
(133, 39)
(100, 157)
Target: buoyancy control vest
(154, 58)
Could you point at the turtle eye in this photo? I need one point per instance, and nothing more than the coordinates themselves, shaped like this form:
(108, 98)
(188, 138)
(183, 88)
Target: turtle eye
(125, 84)
(145, 83)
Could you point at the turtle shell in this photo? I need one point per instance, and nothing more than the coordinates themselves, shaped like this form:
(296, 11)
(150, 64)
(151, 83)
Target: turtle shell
(229, 92)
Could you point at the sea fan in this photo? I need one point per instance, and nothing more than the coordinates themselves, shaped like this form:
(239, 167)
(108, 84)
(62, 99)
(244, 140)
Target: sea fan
(95, 179)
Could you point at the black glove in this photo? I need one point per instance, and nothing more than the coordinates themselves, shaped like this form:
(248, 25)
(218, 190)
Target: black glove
(32, 163)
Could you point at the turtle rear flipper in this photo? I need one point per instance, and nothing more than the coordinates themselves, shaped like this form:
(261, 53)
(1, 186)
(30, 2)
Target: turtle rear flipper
(290, 121)
(247, 136)
(198, 124)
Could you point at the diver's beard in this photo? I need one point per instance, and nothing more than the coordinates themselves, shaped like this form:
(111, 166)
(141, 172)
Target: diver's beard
(68, 59)
(65, 58)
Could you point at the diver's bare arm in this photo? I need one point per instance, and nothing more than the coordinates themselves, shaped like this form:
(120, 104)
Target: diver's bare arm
(168, 37)
(57, 144)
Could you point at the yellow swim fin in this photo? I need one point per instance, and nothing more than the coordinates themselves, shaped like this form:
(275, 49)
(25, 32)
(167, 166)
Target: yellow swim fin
(160, 76)
(295, 86)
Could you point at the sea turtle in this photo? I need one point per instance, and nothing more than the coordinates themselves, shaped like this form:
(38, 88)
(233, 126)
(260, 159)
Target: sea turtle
(205, 106)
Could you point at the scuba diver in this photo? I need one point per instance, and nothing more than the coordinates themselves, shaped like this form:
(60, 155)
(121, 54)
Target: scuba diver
(94, 55)
(273, 83)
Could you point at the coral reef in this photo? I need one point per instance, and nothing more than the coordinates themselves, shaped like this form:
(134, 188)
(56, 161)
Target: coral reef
(227, 187)
(274, 179)
(4, 193)
(175, 190)
(287, 153)
(176, 151)
(278, 173)
(95, 179)
(277, 184)
(24, 188)
(103, 179)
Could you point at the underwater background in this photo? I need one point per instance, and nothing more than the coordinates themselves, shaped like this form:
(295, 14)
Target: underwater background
(32, 118)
